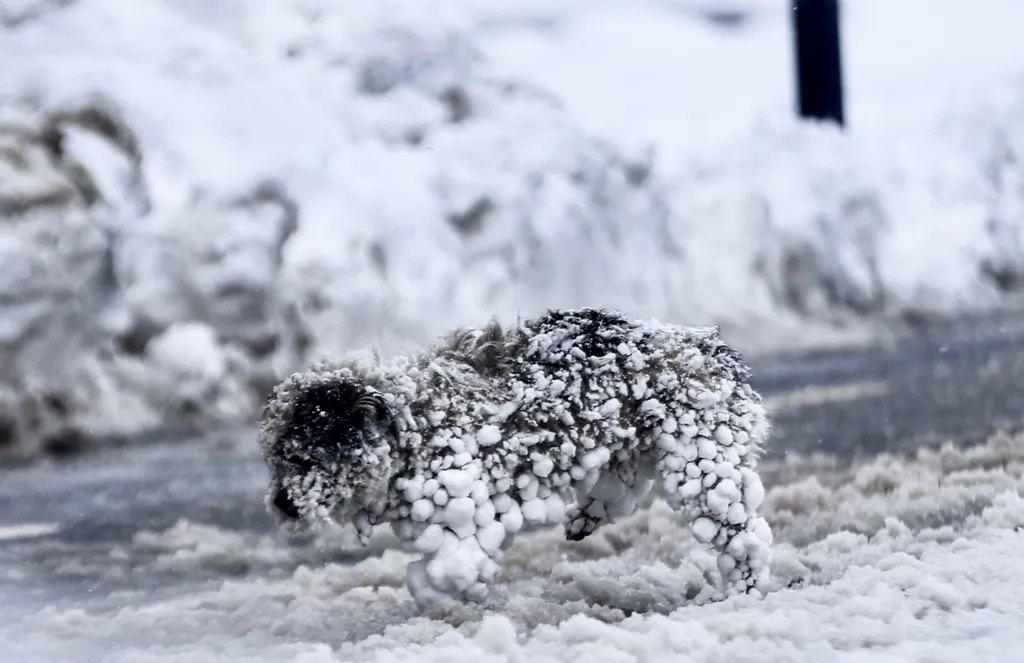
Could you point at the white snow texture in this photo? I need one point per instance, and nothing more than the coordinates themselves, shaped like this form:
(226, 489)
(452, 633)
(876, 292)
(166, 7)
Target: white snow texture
(893, 560)
(199, 197)
(569, 420)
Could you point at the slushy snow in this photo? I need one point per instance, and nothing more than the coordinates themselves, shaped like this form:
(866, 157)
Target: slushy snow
(253, 184)
(890, 560)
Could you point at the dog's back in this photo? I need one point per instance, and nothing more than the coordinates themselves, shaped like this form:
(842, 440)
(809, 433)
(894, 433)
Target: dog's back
(595, 373)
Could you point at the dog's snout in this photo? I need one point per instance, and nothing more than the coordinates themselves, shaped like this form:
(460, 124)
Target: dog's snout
(284, 504)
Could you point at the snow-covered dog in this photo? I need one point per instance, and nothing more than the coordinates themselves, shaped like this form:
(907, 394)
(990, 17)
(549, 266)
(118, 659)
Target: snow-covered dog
(565, 419)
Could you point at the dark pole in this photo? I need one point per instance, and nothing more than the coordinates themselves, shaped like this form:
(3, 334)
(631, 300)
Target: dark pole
(818, 61)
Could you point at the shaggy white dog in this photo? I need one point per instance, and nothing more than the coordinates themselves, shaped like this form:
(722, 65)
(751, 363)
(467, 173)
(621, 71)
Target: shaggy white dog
(569, 418)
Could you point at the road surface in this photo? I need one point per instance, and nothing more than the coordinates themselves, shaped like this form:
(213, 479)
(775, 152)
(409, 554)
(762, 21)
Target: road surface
(67, 528)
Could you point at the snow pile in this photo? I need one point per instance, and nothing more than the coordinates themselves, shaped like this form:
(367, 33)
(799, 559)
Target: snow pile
(197, 197)
(112, 323)
(915, 210)
(852, 227)
(187, 547)
(896, 559)
(265, 183)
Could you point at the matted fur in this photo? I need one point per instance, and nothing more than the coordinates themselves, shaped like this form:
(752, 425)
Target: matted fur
(568, 419)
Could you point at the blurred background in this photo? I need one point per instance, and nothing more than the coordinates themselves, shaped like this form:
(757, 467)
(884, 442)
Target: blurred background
(198, 197)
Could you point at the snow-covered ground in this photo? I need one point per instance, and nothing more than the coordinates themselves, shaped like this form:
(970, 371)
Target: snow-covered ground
(198, 197)
(886, 561)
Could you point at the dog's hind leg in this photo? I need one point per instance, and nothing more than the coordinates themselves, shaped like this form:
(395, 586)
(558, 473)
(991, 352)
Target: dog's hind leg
(718, 493)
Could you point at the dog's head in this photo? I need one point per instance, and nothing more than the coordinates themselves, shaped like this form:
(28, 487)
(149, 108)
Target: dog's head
(326, 439)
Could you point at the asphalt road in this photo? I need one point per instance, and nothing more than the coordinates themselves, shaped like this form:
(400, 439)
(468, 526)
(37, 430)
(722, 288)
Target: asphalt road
(959, 382)
(67, 527)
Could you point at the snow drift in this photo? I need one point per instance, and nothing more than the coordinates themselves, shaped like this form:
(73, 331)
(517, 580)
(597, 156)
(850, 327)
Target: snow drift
(197, 198)
(895, 559)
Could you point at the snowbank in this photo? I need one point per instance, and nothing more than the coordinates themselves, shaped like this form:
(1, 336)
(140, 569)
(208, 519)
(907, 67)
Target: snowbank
(892, 560)
(200, 197)
(297, 179)
(851, 229)
(915, 210)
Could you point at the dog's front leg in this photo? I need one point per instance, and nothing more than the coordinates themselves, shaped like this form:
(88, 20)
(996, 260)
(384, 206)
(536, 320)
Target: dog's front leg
(461, 567)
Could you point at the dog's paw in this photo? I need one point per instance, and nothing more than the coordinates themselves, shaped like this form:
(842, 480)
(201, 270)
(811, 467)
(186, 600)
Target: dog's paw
(423, 593)
(576, 536)
(578, 524)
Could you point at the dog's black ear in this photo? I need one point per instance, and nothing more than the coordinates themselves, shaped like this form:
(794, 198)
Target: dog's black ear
(374, 404)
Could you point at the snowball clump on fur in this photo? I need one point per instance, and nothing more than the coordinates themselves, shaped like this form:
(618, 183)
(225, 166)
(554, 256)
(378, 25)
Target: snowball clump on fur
(569, 419)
